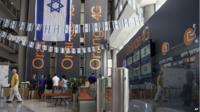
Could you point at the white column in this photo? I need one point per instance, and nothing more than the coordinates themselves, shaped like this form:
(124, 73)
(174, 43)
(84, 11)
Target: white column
(149, 10)
(115, 100)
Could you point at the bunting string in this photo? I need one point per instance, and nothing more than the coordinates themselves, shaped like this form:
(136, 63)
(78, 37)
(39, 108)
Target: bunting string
(54, 49)
(88, 27)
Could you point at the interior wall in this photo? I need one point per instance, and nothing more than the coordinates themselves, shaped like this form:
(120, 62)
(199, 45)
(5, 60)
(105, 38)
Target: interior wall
(167, 25)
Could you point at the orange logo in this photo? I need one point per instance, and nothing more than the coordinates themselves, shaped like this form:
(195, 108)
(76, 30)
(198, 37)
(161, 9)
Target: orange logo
(38, 61)
(96, 12)
(189, 36)
(73, 10)
(73, 34)
(164, 48)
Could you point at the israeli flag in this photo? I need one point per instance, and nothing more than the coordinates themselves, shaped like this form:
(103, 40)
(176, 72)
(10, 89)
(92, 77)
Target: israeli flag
(6, 23)
(83, 50)
(31, 44)
(79, 50)
(77, 28)
(86, 28)
(22, 26)
(106, 26)
(56, 49)
(89, 50)
(30, 27)
(126, 23)
(13, 24)
(73, 51)
(67, 51)
(115, 24)
(50, 49)
(53, 13)
(37, 46)
(44, 47)
(62, 50)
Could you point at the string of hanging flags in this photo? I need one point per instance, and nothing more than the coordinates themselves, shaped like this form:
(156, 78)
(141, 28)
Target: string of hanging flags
(54, 49)
(88, 27)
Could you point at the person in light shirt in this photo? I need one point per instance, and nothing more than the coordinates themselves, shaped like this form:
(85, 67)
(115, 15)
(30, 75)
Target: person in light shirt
(55, 80)
(14, 91)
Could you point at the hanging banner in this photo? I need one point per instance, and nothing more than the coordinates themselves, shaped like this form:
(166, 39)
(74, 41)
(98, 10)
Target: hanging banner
(68, 63)
(38, 61)
(95, 12)
(55, 15)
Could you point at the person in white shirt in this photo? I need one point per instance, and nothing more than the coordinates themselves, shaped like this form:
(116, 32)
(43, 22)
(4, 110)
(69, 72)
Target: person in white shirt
(55, 80)
(63, 84)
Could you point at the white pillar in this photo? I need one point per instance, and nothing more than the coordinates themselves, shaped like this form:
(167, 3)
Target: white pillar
(149, 10)
(115, 102)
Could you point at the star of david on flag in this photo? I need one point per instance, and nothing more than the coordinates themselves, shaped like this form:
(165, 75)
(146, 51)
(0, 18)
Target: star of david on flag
(55, 5)
(54, 15)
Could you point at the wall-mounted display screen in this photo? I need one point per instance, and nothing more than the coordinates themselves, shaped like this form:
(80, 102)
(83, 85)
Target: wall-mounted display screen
(129, 60)
(136, 71)
(146, 69)
(146, 51)
(136, 56)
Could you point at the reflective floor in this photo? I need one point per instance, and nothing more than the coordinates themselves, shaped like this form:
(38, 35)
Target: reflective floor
(33, 106)
(151, 106)
(49, 106)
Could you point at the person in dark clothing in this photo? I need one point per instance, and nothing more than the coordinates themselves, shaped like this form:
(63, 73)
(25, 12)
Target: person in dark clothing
(187, 89)
(92, 88)
(33, 86)
(41, 85)
(49, 83)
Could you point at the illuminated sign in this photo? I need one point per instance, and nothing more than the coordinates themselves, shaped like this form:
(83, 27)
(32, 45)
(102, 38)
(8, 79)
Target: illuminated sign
(38, 61)
(189, 36)
(95, 62)
(164, 48)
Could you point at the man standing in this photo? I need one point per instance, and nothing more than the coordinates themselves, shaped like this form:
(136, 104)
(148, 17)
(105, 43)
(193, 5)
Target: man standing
(14, 91)
(41, 85)
(55, 80)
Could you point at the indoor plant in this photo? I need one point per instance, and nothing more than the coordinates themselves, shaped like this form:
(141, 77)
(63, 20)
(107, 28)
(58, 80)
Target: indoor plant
(74, 85)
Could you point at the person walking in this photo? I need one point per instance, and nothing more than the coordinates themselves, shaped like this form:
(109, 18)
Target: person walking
(55, 80)
(32, 87)
(160, 88)
(41, 85)
(14, 91)
(49, 83)
(187, 88)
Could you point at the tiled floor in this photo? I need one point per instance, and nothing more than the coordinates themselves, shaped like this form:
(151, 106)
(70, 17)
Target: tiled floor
(33, 106)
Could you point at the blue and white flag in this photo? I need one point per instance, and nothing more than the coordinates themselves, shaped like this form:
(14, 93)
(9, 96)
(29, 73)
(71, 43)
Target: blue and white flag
(86, 28)
(83, 50)
(6, 23)
(22, 26)
(50, 48)
(13, 24)
(53, 13)
(67, 51)
(62, 50)
(106, 26)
